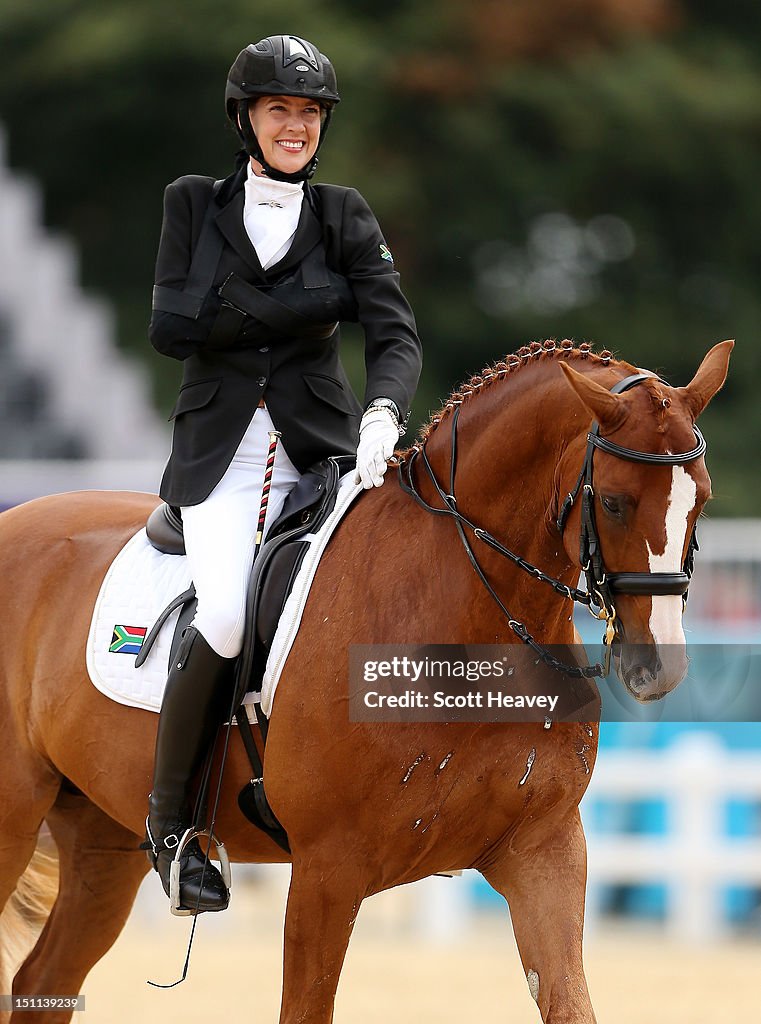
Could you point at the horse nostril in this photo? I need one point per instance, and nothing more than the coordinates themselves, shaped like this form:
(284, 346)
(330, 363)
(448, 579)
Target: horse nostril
(639, 677)
(641, 661)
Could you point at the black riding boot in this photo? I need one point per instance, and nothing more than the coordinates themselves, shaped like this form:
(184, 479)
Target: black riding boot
(194, 704)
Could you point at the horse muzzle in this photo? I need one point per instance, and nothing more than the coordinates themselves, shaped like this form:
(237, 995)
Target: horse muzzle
(649, 671)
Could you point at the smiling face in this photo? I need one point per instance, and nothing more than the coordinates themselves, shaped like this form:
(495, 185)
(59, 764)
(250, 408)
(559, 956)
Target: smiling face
(287, 129)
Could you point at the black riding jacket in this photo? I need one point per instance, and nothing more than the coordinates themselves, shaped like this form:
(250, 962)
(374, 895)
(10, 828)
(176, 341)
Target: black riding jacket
(273, 334)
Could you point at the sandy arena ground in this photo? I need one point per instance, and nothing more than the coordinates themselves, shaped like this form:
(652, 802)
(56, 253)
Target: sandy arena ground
(395, 971)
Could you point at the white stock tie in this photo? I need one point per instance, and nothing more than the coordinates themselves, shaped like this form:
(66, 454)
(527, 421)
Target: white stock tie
(271, 212)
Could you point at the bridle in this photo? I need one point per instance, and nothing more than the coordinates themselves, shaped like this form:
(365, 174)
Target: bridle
(601, 586)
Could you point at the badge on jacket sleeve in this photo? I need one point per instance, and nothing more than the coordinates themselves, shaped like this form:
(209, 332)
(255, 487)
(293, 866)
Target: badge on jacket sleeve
(386, 253)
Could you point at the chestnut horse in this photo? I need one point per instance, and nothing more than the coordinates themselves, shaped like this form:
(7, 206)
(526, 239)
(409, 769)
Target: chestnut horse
(345, 793)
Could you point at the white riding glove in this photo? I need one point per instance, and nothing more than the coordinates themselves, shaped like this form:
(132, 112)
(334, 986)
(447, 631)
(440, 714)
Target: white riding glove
(378, 433)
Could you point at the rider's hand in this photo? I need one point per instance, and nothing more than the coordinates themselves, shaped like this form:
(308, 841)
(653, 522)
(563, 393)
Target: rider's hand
(378, 433)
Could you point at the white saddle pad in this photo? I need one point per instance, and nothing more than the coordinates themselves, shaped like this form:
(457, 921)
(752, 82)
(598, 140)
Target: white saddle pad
(138, 586)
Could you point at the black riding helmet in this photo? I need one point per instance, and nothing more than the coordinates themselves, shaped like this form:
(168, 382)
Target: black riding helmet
(279, 66)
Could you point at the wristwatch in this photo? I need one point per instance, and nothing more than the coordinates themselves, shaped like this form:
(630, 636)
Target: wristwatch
(385, 403)
(390, 406)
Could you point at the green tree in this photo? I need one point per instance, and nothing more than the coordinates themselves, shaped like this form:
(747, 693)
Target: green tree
(542, 169)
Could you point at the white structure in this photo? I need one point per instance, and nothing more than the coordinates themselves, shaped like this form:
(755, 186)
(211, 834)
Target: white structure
(726, 589)
(695, 776)
(59, 343)
(24, 479)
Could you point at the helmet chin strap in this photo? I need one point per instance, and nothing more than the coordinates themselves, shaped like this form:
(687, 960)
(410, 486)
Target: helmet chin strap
(251, 144)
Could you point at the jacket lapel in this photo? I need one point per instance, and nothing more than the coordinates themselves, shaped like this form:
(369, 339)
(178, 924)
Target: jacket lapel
(230, 223)
(308, 234)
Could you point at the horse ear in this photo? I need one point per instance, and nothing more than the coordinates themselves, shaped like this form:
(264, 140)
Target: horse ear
(607, 409)
(710, 377)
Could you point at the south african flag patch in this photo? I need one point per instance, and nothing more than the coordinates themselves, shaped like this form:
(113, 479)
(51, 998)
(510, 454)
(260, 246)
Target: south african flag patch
(127, 639)
(386, 253)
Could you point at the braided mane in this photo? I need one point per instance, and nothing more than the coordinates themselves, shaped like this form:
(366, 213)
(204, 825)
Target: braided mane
(511, 364)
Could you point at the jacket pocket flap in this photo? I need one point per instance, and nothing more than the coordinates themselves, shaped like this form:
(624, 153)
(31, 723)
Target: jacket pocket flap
(330, 391)
(195, 396)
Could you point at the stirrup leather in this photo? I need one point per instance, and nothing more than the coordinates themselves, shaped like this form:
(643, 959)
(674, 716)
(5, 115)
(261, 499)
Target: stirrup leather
(178, 843)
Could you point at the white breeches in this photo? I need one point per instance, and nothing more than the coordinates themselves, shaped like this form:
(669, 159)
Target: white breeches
(220, 535)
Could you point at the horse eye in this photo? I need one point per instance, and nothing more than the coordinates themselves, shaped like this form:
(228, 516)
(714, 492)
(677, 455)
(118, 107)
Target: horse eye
(614, 506)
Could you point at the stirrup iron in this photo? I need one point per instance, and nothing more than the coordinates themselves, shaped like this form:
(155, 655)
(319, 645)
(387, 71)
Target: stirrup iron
(174, 869)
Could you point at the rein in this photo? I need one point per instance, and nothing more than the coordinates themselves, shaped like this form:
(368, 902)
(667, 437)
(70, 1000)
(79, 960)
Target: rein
(600, 585)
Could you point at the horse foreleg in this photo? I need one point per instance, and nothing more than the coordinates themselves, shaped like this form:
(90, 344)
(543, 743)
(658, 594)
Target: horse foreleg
(544, 887)
(100, 871)
(323, 902)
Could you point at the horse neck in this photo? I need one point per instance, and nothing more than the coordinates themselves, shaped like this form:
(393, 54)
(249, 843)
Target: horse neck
(510, 439)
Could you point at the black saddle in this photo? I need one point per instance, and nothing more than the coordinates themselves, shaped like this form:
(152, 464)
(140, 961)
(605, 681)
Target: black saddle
(305, 510)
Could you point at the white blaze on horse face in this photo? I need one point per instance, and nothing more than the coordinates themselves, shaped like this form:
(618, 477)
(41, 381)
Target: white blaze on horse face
(666, 614)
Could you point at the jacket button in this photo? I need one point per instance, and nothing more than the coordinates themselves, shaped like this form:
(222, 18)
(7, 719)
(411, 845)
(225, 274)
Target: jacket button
(261, 381)
(264, 348)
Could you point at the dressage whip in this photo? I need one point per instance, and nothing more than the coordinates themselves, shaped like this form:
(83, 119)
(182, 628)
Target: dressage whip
(274, 436)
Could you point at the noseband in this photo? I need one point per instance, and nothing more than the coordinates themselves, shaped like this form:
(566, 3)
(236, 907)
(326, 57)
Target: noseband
(601, 586)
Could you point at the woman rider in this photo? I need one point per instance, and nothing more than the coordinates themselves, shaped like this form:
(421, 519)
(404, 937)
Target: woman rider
(253, 275)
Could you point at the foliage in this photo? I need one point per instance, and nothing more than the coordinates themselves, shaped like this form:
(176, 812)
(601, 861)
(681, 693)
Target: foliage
(579, 168)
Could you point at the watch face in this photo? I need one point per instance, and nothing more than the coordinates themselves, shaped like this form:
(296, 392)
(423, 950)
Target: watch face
(385, 403)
